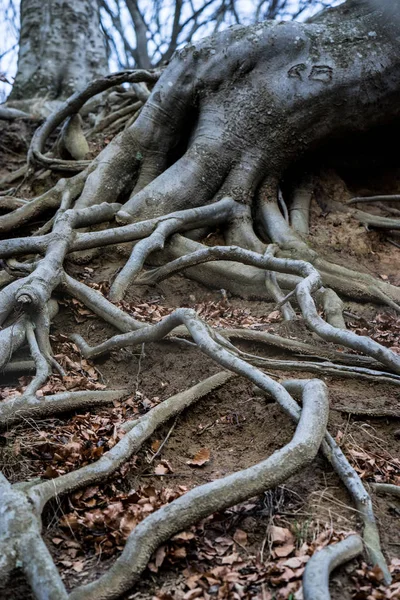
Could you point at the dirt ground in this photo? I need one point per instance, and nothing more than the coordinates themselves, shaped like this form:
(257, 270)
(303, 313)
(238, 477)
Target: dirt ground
(255, 550)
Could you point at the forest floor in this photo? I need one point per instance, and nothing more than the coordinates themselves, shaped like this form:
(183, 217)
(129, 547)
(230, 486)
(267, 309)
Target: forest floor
(257, 549)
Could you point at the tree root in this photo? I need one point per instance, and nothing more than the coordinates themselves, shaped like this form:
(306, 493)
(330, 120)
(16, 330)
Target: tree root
(386, 488)
(304, 289)
(22, 544)
(48, 200)
(208, 498)
(369, 412)
(71, 107)
(351, 480)
(322, 368)
(362, 501)
(107, 311)
(323, 562)
(376, 221)
(137, 432)
(168, 520)
(346, 281)
(29, 405)
(300, 208)
(380, 198)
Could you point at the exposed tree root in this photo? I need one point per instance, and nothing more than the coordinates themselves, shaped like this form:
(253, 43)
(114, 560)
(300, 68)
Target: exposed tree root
(200, 501)
(386, 488)
(29, 405)
(369, 412)
(323, 562)
(71, 107)
(149, 197)
(380, 198)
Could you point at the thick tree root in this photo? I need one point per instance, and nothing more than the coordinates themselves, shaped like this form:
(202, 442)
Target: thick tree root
(343, 280)
(71, 107)
(48, 200)
(304, 289)
(137, 432)
(350, 479)
(323, 562)
(22, 545)
(30, 406)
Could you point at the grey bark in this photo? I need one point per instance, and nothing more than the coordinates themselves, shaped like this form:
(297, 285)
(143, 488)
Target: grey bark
(61, 48)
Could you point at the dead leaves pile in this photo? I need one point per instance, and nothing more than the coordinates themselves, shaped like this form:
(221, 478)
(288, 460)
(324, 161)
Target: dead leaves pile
(100, 520)
(217, 314)
(369, 586)
(376, 465)
(65, 448)
(221, 562)
(385, 329)
(225, 565)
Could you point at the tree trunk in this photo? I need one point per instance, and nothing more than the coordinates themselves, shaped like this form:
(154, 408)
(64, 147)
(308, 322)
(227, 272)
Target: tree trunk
(61, 48)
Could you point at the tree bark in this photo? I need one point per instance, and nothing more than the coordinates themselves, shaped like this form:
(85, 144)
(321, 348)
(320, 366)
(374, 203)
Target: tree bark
(61, 48)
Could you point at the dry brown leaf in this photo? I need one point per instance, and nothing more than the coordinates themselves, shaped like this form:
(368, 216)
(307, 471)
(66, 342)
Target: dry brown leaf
(201, 458)
(78, 566)
(283, 551)
(57, 541)
(184, 536)
(295, 562)
(155, 445)
(240, 537)
(231, 558)
(160, 555)
(50, 473)
(179, 552)
(195, 593)
(280, 535)
(160, 469)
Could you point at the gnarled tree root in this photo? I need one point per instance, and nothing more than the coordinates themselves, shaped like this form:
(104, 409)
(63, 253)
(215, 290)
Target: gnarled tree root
(71, 107)
(323, 562)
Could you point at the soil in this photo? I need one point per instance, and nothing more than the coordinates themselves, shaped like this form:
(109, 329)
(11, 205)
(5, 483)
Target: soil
(238, 427)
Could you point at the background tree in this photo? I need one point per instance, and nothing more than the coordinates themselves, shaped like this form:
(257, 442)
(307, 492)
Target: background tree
(61, 48)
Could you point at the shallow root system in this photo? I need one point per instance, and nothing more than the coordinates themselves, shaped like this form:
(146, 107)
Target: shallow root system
(137, 199)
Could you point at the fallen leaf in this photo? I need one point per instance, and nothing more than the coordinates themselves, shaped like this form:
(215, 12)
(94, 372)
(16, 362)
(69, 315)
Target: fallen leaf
(78, 566)
(195, 593)
(240, 537)
(295, 562)
(201, 458)
(280, 535)
(160, 470)
(232, 558)
(160, 555)
(57, 541)
(285, 550)
(184, 536)
(155, 445)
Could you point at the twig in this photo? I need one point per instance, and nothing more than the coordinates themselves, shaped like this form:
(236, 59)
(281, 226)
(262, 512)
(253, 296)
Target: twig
(165, 440)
